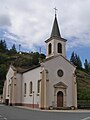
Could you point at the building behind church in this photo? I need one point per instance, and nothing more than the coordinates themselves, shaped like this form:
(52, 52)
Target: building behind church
(52, 83)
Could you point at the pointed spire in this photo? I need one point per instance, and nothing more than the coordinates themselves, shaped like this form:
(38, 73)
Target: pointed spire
(55, 30)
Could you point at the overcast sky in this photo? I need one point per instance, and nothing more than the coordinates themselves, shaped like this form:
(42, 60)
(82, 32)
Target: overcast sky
(30, 21)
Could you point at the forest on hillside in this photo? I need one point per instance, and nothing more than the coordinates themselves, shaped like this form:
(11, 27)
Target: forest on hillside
(18, 59)
(27, 60)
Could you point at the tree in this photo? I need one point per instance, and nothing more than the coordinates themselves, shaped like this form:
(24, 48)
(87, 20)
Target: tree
(75, 59)
(3, 58)
(87, 66)
(35, 58)
(13, 50)
(78, 62)
(3, 46)
(3, 70)
(13, 47)
(72, 59)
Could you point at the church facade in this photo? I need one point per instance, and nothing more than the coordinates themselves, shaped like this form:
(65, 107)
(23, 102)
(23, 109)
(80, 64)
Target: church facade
(50, 84)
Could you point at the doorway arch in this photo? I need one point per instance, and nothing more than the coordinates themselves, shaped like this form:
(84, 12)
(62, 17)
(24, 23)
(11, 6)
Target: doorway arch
(60, 99)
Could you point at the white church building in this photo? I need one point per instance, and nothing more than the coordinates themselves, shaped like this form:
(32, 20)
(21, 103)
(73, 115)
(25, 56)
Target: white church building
(50, 84)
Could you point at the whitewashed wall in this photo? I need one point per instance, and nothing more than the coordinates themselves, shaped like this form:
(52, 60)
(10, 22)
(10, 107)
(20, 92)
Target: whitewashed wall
(34, 76)
(52, 66)
(19, 88)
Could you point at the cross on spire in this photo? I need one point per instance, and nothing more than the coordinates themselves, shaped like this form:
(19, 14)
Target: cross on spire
(55, 11)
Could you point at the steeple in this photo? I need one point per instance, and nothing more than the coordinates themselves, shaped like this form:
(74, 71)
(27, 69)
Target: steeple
(55, 45)
(55, 30)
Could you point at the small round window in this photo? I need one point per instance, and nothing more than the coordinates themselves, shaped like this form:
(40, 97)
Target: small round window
(60, 73)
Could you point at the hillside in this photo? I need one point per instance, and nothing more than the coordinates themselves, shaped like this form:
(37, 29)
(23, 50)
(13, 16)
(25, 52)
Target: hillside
(83, 89)
(24, 60)
(83, 85)
(27, 60)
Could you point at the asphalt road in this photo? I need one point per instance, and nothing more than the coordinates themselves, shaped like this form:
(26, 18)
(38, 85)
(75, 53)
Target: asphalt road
(14, 113)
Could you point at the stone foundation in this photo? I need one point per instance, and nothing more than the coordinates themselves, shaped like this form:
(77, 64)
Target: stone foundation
(31, 105)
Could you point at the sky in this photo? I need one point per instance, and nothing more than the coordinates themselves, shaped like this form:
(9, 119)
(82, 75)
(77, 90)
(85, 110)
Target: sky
(29, 23)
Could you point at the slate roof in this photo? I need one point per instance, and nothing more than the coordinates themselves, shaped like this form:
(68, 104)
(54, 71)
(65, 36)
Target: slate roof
(55, 34)
(55, 30)
(23, 70)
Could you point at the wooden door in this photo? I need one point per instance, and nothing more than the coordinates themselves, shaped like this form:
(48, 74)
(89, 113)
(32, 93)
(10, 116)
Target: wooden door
(60, 99)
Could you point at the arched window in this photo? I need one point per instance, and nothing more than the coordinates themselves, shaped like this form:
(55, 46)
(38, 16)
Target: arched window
(49, 48)
(25, 88)
(59, 48)
(31, 87)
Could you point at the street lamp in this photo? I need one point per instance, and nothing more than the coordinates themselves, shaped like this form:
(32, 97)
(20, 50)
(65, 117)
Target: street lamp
(33, 99)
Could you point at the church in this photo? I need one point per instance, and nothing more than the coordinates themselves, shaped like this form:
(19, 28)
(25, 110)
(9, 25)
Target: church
(50, 84)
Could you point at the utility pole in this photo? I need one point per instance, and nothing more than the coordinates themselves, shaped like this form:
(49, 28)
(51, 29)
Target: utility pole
(19, 48)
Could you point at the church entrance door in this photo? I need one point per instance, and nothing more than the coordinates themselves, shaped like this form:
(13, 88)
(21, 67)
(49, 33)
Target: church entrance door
(60, 99)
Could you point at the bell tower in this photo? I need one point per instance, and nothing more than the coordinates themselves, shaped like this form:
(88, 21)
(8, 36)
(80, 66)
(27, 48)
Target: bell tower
(55, 45)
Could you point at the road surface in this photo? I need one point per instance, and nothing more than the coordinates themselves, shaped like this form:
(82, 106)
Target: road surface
(15, 113)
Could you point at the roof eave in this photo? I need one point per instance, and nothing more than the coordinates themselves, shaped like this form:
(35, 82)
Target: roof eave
(55, 37)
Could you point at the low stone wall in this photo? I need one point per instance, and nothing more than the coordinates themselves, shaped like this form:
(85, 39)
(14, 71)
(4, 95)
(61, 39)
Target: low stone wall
(83, 104)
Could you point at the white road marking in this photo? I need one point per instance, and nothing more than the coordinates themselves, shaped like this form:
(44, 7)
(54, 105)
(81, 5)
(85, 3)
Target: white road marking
(87, 118)
(3, 118)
